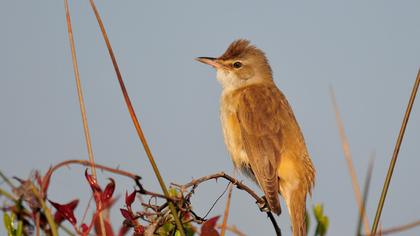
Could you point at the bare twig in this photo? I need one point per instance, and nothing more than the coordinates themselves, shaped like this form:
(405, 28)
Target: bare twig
(227, 208)
(401, 228)
(195, 182)
(87, 163)
(349, 161)
(215, 202)
(135, 177)
(134, 118)
(395, 154)
(82, 106)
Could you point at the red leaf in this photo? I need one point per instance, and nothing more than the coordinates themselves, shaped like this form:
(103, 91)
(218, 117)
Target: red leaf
(65, 211)
(126, 214)
(92, 182)
(129, 199)
(46, 181)
(38, 178)
(85, 228)
(208, 228)
(109, 190)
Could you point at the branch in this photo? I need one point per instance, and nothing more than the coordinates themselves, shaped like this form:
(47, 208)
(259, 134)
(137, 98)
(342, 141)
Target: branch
(135, 177)
(259, 201)
(195, 182)
(86, 163)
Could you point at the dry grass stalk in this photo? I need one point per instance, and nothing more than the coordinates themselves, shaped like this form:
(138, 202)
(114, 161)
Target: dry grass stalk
(134, 118)
(395, 154)
(227, 208)
(233, 229)
(82, 106)
(349, 161)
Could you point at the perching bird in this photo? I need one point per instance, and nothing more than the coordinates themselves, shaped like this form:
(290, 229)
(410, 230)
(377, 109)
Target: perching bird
(261, 132)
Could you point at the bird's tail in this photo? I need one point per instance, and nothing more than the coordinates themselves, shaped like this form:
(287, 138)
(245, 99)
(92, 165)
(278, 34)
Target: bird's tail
(296, 203)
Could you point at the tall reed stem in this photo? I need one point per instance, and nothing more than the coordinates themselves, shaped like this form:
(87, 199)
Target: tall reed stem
(135, 120)
(82, 107)
(395, 155)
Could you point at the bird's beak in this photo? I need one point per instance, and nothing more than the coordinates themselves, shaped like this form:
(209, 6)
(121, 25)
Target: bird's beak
(210, 61)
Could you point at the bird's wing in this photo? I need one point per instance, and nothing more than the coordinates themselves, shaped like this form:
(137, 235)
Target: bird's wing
(260, 114)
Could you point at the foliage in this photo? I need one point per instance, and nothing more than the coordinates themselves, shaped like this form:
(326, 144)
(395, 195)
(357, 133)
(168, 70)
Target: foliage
(144, 212)
(321, 220)
(9, 223)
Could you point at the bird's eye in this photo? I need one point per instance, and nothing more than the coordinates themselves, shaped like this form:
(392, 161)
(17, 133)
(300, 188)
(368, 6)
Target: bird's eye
(237, 65)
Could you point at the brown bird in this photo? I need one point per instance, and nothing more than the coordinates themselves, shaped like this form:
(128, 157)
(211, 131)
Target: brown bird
(261, 131)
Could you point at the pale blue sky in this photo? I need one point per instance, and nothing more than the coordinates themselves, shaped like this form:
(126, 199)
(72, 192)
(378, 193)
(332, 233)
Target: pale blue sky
(369, 51)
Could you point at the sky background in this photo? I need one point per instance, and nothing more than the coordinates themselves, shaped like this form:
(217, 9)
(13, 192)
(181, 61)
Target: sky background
(368, 51)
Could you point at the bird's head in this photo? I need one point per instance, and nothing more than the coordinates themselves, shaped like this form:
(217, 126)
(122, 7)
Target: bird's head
(242, 64)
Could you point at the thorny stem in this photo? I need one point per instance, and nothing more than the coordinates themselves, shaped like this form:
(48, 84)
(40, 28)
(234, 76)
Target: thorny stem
(87, 163)
(135, 177)
(195, 182)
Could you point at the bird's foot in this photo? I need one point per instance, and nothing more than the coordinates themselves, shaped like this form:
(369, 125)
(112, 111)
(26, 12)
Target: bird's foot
(263, 205)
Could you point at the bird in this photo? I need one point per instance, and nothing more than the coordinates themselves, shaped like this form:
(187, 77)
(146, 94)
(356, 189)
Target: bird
(261, 132)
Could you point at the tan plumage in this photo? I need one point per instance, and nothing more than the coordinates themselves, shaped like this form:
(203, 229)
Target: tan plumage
(261, 132)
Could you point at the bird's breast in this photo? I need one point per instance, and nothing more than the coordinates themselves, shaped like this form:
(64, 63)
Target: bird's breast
(232, 132)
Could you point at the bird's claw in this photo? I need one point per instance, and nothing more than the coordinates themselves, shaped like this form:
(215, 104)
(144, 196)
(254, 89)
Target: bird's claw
(263, 205)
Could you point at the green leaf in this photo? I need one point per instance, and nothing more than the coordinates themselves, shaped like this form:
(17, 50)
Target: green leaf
(318, 211)
(321, 219)
(189, 230)
(166, 229)
(177, 233)
(8, 224)
(19, 229)
(173, 192)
